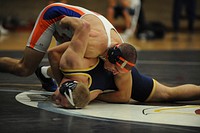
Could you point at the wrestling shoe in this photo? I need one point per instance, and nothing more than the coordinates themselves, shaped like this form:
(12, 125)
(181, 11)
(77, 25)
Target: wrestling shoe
(48, 84)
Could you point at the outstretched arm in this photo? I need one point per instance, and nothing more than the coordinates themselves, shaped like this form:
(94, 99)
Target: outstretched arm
(123, 94)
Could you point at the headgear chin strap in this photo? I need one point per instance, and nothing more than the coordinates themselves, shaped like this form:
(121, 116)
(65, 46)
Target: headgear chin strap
(66, 90)
(115, 57)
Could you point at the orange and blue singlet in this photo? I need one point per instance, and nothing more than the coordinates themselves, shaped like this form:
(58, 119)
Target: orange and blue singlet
(48, 23)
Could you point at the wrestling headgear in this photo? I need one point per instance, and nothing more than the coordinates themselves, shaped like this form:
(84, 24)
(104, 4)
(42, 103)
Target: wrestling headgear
(66, 90)
(115, 57)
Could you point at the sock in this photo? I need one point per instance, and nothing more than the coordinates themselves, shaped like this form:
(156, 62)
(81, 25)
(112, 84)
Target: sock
(44, 71)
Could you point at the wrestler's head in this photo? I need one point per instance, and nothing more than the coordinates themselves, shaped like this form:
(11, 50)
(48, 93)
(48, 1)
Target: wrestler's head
(121, 58)
(72, 94)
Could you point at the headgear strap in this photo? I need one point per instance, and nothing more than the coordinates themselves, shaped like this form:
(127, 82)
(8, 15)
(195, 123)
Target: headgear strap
(115, 57)
(66, 90)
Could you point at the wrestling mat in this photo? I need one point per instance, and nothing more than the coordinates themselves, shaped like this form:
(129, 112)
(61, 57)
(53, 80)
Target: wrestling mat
(183, 115)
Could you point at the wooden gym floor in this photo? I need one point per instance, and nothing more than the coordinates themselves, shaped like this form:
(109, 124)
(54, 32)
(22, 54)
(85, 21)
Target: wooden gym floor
(17, 41)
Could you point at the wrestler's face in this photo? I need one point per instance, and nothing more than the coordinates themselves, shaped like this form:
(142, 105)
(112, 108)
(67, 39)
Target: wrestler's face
(59, 99)
(115, 69)
(114, 61)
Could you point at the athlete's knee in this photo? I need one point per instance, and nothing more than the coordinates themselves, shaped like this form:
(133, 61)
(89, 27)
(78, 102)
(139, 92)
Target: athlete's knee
(23, 71)
(53, 54)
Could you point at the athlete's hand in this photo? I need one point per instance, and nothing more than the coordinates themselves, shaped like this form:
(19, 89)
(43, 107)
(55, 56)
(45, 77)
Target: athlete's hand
(61, 38)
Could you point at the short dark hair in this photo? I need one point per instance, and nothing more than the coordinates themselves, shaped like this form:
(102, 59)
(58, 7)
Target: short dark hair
(129, 52)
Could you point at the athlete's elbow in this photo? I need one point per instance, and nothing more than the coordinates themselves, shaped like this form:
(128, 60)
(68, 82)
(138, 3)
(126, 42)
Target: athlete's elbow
(53, 55)
(85, 26)
(124, 99)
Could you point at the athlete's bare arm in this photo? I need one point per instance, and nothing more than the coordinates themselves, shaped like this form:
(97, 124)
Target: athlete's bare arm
(55, 53)
(123, 82)
(74, 55)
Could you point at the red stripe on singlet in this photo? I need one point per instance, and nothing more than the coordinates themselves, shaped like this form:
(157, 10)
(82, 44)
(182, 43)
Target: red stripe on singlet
(38, 31)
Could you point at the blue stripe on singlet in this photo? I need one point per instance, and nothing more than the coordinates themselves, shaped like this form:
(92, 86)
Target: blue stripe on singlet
(56, 11)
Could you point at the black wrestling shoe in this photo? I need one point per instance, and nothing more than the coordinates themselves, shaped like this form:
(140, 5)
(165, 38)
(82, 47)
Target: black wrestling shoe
(48, 84)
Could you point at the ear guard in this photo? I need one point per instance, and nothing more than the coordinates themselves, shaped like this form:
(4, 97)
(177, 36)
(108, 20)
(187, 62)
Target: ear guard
(66, 90)
(114, 54)
(115, 57)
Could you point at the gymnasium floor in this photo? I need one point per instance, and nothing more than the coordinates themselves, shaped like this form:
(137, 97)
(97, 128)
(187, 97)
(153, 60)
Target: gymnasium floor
(24, 106)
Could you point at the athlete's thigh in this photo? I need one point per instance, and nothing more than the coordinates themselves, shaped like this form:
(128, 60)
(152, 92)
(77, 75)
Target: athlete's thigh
(31, 58)
(161, 92)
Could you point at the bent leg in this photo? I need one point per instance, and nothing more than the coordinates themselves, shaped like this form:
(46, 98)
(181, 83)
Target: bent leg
(184, 92)
(23, 67)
